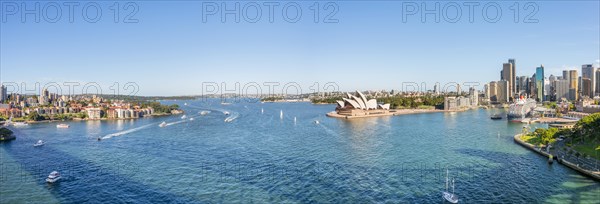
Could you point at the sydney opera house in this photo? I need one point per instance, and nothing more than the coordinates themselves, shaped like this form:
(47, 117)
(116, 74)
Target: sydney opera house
(360, 106)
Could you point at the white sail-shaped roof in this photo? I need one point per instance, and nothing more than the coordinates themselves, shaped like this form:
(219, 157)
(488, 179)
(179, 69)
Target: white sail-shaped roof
(360, 102)
(372, 104)
(341, 104)
(385, 106)
(352, 102)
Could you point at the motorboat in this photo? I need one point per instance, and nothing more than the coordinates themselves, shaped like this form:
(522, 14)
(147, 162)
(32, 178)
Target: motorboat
(450, 197)
(496, 117)
(39, 143)
(191, 119)
(226, 112)
(316, 122)
(62, 126)
(281, 114)
(225, 103)
(163, 124)
(183, 117)
(53, 177)
(204, 112)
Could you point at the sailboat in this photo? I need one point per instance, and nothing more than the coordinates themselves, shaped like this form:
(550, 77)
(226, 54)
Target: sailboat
(294, 119)
(262, 111)
(450, 197)
(281, 114)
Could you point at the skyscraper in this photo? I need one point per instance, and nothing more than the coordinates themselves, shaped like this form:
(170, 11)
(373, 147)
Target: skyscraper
(514, 75)
(589, 72)
(573, 85)
(509, 76)
(3, 93)
(561, 89)
(597, 81)
(539, 83)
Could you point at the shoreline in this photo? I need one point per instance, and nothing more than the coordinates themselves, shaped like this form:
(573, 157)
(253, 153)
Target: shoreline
(585, 172)
(393, 112)
(101, 119)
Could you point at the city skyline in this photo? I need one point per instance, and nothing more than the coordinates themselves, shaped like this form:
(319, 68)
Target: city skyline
(173, 43)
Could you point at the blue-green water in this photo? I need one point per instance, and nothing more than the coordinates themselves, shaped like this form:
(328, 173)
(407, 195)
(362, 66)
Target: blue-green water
(262, 158)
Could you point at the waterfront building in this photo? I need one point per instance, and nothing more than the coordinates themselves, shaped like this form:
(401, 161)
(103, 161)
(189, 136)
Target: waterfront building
(473, 97)
(93, 113)
(358, 105)
(507, 74)
(588, 71)
(502, 91)
(573, 85)
(539, 83)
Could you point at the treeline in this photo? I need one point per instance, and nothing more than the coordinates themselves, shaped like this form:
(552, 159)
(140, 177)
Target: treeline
(413, 102)
(271, 99)
(329, 100)
(158, 107)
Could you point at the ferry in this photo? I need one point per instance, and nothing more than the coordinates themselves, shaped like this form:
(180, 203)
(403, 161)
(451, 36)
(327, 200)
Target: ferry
(62, 126)
(520, 109)
(53, 177)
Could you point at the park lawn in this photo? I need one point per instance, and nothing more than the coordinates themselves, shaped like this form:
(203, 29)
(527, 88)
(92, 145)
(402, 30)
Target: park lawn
(589, 149)
(531, 139)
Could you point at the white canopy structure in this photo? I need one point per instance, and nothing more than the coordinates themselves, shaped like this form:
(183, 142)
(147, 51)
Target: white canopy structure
(361, 102)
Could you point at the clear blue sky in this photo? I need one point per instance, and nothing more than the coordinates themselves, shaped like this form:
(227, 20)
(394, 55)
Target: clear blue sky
(171, 51)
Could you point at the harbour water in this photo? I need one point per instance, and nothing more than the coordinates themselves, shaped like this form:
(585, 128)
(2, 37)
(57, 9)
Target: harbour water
(259, 157)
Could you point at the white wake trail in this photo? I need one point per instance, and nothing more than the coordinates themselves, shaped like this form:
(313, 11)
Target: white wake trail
(126, 131)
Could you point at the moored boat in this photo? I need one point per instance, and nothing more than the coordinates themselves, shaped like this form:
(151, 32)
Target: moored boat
(62, 126)
(496, 117)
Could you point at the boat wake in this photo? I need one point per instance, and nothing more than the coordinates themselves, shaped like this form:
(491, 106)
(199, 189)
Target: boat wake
(232, 117)
(173, 123)
(126, 131)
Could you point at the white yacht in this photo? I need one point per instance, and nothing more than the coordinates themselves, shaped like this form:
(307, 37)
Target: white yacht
(450, 197)
(62, 126)
(163, 124)
(39, 143)
(19, 124)
(53, 177)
